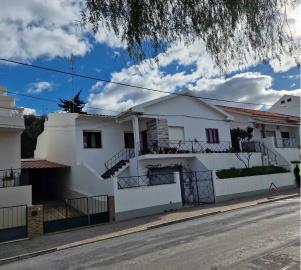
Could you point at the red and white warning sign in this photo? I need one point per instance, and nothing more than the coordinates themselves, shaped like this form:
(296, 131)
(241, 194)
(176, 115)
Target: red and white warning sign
(273, 187)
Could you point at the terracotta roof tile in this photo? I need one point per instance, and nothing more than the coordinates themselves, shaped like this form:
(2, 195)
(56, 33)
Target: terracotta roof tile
(267, 116)
(41, 164)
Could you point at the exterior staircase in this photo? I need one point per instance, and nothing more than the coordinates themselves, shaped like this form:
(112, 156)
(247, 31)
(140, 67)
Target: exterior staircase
(269, 157)
(117, 162)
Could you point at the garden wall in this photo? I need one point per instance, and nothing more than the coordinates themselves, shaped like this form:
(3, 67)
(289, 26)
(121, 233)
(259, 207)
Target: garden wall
(232, 188)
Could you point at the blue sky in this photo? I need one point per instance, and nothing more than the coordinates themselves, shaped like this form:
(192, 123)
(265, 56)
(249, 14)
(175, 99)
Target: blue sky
(45, 33)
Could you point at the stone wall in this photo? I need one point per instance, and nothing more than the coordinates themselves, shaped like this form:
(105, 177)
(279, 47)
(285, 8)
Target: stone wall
(34, 221)
(157, 131)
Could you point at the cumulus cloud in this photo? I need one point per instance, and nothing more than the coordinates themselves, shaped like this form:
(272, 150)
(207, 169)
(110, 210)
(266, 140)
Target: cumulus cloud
(39, 87)
(29, 111)
(251, 87)
(46, 28)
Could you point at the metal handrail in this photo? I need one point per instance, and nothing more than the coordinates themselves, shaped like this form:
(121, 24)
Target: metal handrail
(286, 143)
(257, 146)
(181, 146)
(123, 154)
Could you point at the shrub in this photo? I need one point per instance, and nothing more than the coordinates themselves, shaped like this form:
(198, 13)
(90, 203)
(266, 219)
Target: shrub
(260, 170)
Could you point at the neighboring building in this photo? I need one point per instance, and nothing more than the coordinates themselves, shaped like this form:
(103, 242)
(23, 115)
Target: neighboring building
(11, 127)
(288, 104)
(279, 132)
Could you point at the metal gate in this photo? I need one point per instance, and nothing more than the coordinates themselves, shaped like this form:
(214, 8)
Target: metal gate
(13, 223)
(77, 212)
(197, 187)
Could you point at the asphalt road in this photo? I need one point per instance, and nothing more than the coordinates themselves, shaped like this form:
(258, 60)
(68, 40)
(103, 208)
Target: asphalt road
(261, 237)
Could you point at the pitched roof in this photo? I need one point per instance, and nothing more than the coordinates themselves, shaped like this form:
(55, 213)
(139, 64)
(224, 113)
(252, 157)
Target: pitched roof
(41, 164)
(271, 117)
(139, 108)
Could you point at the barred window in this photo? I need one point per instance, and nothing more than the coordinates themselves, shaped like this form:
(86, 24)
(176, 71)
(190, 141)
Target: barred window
(212, 135)
(161, 176)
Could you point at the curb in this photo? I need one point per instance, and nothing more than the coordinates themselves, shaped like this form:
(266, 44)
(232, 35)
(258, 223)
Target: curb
(85, 242)
(26, 256)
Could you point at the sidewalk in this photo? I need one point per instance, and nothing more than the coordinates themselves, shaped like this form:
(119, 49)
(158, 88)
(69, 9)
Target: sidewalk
(22, 249)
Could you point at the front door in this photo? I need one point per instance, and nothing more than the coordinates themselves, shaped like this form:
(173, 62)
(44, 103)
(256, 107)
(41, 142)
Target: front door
(128, 139)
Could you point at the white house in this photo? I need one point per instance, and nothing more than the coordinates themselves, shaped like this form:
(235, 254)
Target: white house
(279, 132)
(146, 157)
(11, 127)
(288, 104)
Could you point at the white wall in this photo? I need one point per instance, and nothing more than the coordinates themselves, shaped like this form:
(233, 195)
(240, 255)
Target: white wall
(220, 161)
(230, 188)
(112, 135)
(11, 196)
(194, 127)
(290, 108)
(88, 182)
(289, 154)
(149, 196)
(10, 149)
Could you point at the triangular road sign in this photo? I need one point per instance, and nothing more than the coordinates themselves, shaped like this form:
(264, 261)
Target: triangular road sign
(273, 187)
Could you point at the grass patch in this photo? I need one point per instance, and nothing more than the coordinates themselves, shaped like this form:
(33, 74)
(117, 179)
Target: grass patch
(260, 170)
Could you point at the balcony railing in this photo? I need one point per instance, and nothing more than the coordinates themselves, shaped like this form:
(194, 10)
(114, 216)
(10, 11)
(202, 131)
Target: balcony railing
(182, 147)
(145, 180)
(11, 112)
(10, 178)
(286, 143)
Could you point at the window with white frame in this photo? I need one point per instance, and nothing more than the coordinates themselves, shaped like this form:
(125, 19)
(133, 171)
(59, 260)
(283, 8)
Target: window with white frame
(212, 135)
(92, 139)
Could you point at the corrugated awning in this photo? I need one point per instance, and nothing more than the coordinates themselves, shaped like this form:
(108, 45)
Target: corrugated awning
(41, 164)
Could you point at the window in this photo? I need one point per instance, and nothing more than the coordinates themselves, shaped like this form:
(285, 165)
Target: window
(282, 101)
(212, 135)
(289, 100)
(92, 139)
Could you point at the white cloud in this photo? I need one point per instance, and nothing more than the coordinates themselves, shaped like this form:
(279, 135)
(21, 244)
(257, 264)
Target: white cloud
(46, 28)
(29, 111)
(39, 87)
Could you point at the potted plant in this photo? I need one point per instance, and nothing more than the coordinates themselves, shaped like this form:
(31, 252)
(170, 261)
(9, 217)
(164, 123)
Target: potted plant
(9, 179)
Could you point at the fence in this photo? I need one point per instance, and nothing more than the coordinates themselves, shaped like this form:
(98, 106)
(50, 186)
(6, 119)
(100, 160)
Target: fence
(71, 213)
(178, 147)
(10, 178)
(145, 180)
(286, 143)
(13, 222)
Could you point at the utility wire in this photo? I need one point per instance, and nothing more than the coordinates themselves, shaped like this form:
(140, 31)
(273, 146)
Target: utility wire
(125, 84)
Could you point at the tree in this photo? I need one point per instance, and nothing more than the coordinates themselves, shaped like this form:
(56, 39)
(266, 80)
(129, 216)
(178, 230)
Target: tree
(34, 126)
(74, 105)
(232, 31)
(238, 137)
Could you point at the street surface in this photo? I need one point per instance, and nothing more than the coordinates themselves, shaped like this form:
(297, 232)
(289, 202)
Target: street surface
(266, 237)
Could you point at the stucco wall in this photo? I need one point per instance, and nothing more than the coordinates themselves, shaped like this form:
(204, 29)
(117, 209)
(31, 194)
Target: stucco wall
(195, 123)
(230, 188)
(133, 202)
(219, 161)
(10, 149)
(11, 196)
(289, 154)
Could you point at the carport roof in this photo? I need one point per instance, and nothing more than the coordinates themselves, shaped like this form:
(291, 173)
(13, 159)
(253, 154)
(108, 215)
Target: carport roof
(41, 164)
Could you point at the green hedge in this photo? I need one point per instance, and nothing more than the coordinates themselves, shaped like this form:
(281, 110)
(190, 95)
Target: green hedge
(260, 170)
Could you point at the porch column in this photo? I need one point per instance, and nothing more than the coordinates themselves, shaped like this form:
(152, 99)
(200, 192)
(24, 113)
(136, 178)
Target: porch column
(136, 135)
